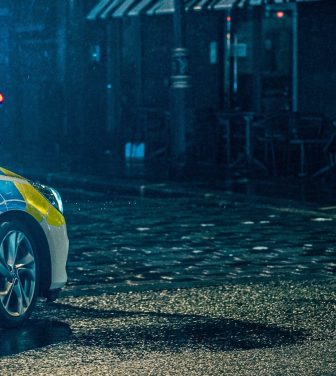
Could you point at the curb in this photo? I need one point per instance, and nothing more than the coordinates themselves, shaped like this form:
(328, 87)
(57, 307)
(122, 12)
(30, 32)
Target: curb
(64, 181)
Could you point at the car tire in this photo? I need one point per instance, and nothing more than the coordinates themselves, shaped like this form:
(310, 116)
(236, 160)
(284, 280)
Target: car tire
(19, 274)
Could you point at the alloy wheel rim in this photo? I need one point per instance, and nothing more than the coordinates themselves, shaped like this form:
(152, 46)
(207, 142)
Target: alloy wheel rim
(17, 273)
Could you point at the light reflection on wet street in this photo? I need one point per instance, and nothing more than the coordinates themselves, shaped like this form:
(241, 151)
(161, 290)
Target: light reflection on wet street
(182, 286)
(145, 240)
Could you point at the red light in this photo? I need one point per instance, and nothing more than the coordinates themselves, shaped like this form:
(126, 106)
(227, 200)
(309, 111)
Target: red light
(2, 98)
(280, 14)
(228, 19)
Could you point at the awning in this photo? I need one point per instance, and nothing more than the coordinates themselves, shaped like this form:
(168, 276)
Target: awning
(105, 9)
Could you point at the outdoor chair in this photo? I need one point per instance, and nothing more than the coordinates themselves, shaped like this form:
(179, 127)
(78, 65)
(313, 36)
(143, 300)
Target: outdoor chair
(306, 141)
(329, 151)
(271, 137)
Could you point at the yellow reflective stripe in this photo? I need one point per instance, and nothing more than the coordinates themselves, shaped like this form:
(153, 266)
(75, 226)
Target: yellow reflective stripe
(55, 218)
(10, 173)
(38, 206)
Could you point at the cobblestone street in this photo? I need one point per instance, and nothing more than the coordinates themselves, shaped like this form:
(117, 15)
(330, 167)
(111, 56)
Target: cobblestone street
(186, 286)
(136, 241)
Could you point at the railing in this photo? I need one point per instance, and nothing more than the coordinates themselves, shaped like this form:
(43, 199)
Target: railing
(282, 143)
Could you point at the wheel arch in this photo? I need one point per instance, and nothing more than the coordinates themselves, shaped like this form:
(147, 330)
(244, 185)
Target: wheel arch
(41, 242)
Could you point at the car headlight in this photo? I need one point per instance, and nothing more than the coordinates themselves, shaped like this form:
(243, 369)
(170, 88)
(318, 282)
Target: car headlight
(50, 194)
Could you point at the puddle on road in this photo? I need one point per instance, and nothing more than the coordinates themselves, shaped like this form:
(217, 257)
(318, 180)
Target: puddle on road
(35, 334)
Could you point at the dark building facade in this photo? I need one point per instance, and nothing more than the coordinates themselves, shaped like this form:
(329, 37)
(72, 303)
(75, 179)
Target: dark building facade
(42, 76)
(89, 77)
(317, 57)
(249, 56)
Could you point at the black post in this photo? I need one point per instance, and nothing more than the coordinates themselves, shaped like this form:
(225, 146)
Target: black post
(74, 77)
(61, 59)
(180, 82)
(257, 58)
(113, 97)
(227, 84)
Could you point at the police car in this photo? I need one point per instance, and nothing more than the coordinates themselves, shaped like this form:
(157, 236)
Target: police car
(33, 246)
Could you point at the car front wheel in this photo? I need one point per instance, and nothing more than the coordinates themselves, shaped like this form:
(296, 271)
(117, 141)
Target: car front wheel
(18, 274)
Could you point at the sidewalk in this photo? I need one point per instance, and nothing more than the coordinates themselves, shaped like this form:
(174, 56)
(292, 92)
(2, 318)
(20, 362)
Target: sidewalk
(306, 193)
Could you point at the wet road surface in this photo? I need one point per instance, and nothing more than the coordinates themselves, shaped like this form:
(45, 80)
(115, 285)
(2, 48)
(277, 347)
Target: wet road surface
(186, 287)
(127, 241)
